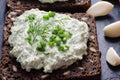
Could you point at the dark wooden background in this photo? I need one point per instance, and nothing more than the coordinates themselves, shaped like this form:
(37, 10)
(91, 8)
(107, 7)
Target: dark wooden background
(108, 72)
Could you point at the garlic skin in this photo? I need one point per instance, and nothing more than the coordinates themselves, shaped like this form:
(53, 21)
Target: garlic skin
(112, 57)
(100, 8)
(112, 30)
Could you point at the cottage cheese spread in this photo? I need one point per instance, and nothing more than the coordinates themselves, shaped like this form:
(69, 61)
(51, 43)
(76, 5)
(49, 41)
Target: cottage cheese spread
(51, 1)
(26, 46)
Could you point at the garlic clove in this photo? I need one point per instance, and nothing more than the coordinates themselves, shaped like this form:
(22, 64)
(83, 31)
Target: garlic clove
(100, 8)
(112, 57)
(112, 30)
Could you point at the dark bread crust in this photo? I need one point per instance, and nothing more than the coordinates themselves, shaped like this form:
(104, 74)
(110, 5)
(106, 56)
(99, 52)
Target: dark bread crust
(72, 6)
(87, 69)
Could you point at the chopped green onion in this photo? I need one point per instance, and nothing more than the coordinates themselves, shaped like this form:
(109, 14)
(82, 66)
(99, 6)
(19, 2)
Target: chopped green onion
(67, 48)
(64, 40)
(60, 32)
(55, 32)
(61, 36)
(46, 17)
(61, 48)
(40, 48)
(58, 42)
(51, 14)
(68, 35)
(42, 43)
(53, 38)
(58, 28)
(51, 44)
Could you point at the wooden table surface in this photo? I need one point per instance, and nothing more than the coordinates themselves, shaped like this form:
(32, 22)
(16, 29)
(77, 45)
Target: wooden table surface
(108, 72)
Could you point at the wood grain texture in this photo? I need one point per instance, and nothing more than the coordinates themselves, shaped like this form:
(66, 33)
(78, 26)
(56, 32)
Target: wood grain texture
(108, 72)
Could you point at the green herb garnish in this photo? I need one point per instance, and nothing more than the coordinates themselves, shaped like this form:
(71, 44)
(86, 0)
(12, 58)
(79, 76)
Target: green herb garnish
(67, 48)
(51, 44)
(50, 14)
(30, 17)
(63, 48)
(68, 35)
(53, 38)
(59, 37)
(43, 43)
(46, 17)
(60, 21)
(30, 41)
(58, 42)
(36, 29)
(40, 48)
(55, 32)
(32, 32)
(64, 40)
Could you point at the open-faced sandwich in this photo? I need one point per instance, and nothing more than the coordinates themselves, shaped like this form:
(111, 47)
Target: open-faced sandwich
(55, 5)
(47, 40)
(40, 45)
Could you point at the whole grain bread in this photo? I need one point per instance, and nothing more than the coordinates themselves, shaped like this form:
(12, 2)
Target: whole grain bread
(71, 5)
(87, 69)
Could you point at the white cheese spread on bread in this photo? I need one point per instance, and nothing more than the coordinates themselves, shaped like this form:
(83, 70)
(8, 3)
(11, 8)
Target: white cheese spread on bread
(48, 40)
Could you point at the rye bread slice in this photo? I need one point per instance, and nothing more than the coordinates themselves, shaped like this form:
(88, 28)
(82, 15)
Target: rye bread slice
(87, 69)
(71, 5)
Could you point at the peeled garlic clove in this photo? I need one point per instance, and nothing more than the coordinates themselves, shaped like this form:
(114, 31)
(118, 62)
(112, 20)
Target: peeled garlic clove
(101, 8)
(112, 57)
(112, 30)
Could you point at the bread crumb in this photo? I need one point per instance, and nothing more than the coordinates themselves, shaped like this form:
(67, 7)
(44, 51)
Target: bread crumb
(93, 49)
(84, 18)
(14, 68)
(66, 73)
(92, 37)
(91, 60)
(18, 2)
(44, 76)
(81, 68)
